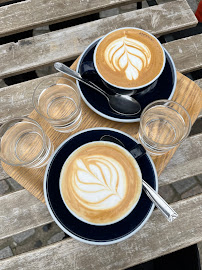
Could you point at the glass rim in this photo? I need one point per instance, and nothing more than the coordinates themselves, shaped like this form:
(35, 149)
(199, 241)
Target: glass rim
(49, 118)
(37, 124)
(160, 144)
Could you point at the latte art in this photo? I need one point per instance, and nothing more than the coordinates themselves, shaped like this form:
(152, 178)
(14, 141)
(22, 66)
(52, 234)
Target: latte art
(98, 182)
(129, 55)
(129, 58)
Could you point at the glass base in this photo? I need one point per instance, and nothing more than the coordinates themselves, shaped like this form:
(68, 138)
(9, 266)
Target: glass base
(152, 151)
(70, 126)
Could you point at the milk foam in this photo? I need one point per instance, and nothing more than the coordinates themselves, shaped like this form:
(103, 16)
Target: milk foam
(128, 55)
(99, 182)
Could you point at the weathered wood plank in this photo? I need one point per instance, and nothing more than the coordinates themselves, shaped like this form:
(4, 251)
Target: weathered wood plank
(4, 1)
(66, 44)
(158, 237)
(193, 4)
(186, 162)
(199, 82)
(19, 211)
(16, 100)
(3, 174)
(186, 53)
(23, 216)
(33, 13)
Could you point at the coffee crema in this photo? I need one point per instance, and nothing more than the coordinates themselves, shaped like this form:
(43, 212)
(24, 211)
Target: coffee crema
(129, 58)
(100, 183)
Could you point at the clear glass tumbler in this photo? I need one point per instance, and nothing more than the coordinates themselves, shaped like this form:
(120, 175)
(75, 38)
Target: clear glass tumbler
(163, 125)
(24, 143)
(58, 100)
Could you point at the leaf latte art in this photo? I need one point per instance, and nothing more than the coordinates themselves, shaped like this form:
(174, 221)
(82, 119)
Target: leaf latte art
(98, 182)
(128, 55)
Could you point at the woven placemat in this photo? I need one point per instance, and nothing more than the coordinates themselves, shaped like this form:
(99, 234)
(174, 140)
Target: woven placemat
(187, 93)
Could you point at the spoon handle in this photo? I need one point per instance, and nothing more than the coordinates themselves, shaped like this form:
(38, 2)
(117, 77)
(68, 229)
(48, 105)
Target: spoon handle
(68, 71)
(162, 205)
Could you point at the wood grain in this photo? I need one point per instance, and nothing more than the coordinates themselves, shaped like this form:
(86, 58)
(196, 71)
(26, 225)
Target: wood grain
(3, 174)
(186, 162)
(20, 211)
(33, 13)
(21, 216)
(186, 53)
(199, 82)
(66, 44)
(158, 237)
(4, 1)
(16, 100)
(187, 93)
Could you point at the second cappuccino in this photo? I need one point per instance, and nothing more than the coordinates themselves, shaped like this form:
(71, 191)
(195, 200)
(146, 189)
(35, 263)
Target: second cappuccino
(100, 183)
(129, 58)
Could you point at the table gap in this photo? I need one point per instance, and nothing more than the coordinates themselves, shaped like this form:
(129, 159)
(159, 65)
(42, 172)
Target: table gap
(7, 2)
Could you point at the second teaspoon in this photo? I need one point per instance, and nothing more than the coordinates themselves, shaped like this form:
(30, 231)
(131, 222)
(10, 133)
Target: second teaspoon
(121, 104)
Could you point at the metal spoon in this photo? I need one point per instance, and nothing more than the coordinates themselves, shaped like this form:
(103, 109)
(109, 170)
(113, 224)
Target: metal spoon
(121, 104)
(160, 203)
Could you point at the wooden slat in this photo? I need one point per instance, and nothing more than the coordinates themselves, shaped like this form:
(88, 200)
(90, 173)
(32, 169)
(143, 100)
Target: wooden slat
(158, 237)
(3, 174)
(66, 44)
(16, 100)
(23, 216)
(4, 1)
(20, 211)
(33, 13)
(186, 162)
(186, 53)
(199, 82)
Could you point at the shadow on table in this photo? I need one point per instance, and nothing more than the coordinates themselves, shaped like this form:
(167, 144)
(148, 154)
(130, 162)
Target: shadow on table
(184, 259)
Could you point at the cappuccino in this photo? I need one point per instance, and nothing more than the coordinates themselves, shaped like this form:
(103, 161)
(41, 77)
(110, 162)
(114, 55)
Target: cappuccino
(129, 58)
(100, 183)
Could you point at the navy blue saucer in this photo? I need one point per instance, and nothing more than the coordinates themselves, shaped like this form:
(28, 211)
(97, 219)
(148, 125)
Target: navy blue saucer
(163, 88)
(100, 235)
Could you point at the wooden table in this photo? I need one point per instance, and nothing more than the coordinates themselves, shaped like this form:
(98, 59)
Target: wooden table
(20, 211)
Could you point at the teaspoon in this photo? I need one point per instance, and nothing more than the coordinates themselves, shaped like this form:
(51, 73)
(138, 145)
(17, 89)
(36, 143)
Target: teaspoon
(121, 104)
(160, 203)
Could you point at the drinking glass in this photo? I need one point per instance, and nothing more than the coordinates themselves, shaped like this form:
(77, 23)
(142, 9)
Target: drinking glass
(57, 99)
(163, 125)
(24, 143)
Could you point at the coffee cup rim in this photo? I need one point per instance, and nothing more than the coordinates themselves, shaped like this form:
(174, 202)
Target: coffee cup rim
(133, 206)
(129, 88)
